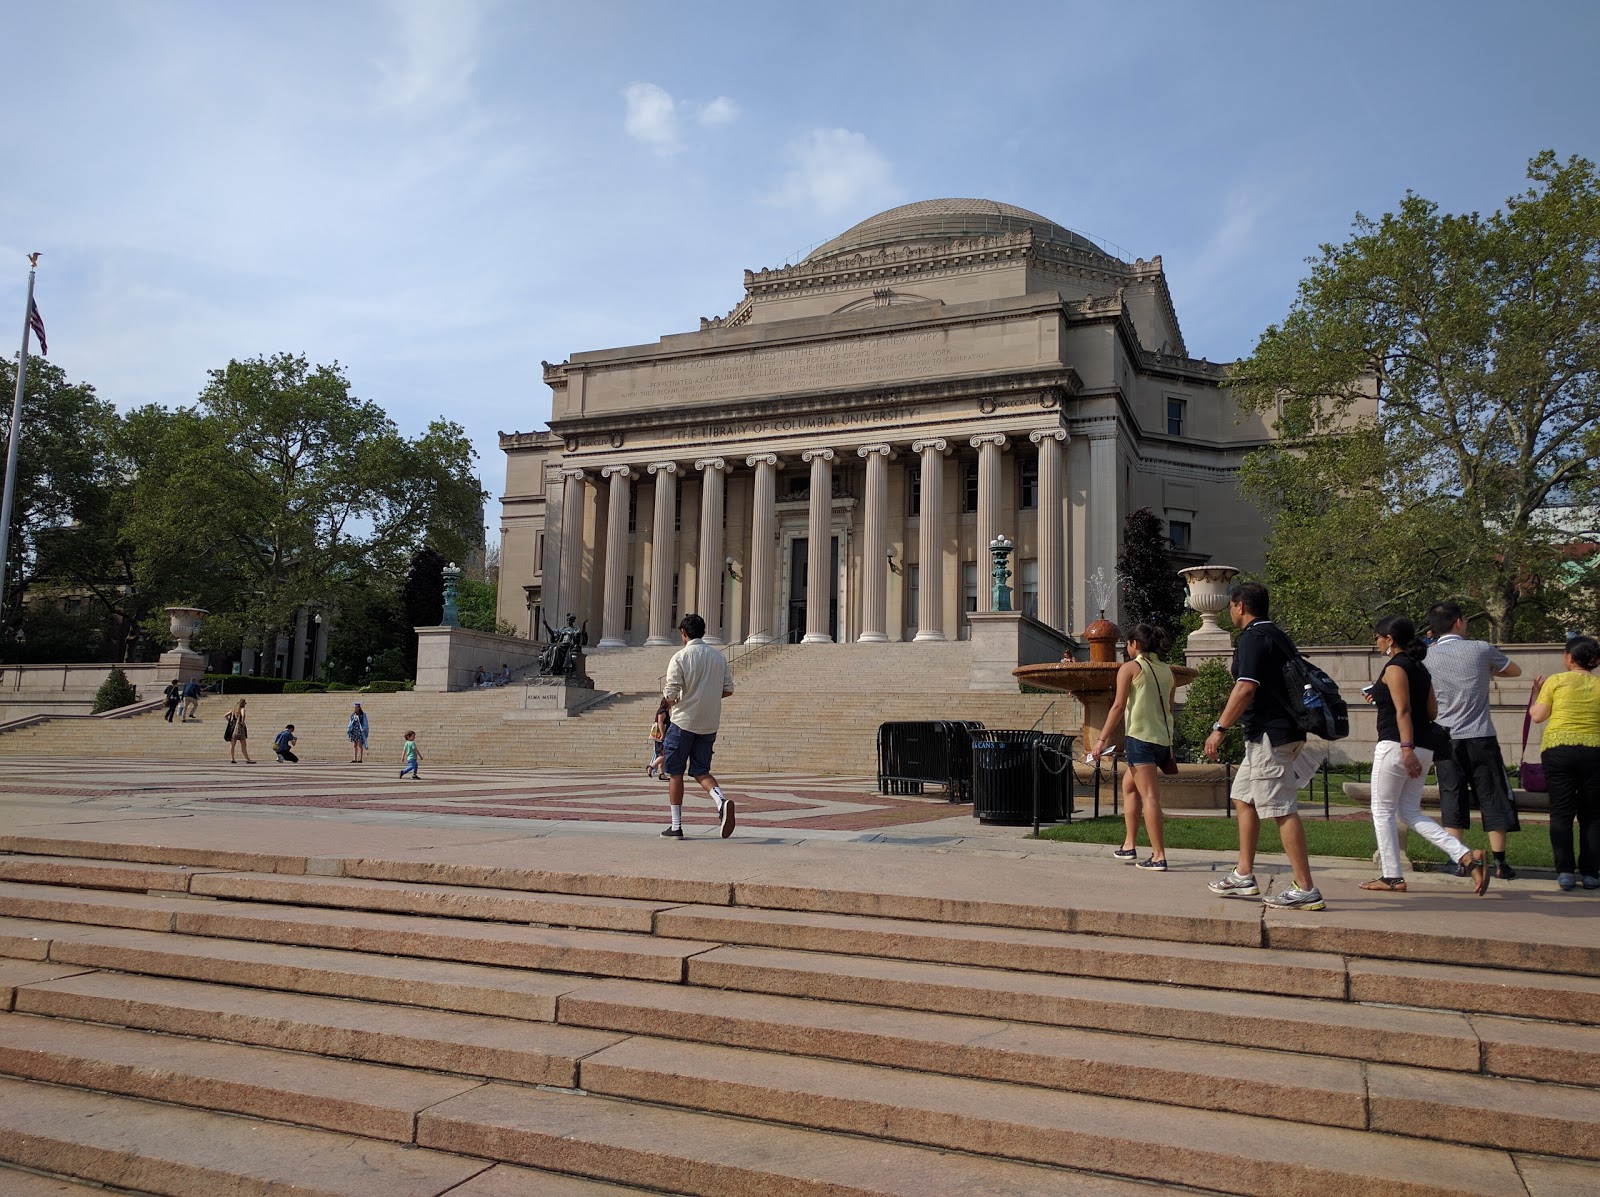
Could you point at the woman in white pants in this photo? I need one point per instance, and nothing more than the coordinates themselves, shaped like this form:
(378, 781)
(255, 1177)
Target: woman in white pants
(1407, 740)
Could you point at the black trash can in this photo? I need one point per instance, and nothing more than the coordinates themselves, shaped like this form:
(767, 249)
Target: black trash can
(1002, 780)
(1049, 759)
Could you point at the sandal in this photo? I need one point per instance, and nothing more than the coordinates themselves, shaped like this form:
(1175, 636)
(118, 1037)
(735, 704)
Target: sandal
(1393, 885)
(1477, 865)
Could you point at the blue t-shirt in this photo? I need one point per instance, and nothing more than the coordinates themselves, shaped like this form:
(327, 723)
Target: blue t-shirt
(283, 741)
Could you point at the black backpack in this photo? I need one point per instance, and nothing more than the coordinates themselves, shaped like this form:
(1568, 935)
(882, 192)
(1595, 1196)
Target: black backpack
(1314, 699)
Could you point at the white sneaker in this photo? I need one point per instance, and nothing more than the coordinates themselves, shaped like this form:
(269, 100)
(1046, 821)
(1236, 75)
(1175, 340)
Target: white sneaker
(1235, 886)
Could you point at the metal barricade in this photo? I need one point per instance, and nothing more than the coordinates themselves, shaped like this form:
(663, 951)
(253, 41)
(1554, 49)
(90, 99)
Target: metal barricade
(935, 752)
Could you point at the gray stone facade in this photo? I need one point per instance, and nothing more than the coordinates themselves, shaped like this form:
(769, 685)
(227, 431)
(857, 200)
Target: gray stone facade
(940, 374)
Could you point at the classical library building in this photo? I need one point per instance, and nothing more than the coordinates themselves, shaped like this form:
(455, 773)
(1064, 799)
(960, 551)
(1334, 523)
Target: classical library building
(831, 460)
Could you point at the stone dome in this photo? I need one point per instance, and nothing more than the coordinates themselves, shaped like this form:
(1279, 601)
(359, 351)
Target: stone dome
(942, 219)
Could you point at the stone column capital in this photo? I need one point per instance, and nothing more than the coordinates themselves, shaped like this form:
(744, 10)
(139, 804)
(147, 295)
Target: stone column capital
(756, 459)
(616, 471)
(664, 467)
(936, 444)
(887, 451)
(710, 463)
(810, 455)
(1040, 435)
(572, 472)
(997, 439)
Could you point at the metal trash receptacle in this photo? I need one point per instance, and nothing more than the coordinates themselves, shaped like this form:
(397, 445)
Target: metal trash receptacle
(1002, 781)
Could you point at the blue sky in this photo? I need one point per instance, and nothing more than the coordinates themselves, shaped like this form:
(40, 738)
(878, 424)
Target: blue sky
(440, 194)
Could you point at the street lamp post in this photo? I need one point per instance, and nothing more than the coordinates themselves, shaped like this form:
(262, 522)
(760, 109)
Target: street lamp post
(1000, 549)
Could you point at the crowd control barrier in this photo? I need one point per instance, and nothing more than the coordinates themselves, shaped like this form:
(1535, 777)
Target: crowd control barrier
(935, 752)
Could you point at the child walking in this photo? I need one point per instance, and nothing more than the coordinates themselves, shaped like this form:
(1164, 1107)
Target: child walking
(412, 757)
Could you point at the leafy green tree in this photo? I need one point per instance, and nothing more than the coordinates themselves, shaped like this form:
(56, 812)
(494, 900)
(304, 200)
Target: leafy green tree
(1202, 705)
(280, 489)
(1152, 592)
(1436, 392)
(62, 473)
(476, 607)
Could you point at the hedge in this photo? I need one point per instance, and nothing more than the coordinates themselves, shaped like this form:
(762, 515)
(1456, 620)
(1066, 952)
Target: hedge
(244, 683)
(388, 687)
(305, 687)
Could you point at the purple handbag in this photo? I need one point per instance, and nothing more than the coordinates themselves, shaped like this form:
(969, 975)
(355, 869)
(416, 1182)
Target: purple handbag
(1530, 774)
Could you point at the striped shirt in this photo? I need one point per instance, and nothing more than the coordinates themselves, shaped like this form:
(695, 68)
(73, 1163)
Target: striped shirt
(1461, 670)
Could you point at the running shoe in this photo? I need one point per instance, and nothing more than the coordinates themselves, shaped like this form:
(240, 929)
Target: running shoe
(1235, 886)
(1567, 881)
(673, 833)
(1295, 898)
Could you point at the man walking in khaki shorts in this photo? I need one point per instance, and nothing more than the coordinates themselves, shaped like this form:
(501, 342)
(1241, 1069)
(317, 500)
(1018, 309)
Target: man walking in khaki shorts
(1265, 785)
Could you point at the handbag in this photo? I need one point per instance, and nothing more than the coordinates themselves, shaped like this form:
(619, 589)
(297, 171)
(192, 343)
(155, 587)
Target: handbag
(1169, 763)
(1530, 774)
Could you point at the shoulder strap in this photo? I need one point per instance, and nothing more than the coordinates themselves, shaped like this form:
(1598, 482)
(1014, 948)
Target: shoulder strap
(1527, 721)
(1166, 714)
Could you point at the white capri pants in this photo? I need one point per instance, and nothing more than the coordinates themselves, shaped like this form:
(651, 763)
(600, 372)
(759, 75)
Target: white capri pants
(1398, 798)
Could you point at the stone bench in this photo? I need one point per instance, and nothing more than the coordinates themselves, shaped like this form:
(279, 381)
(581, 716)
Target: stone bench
(1361, 791)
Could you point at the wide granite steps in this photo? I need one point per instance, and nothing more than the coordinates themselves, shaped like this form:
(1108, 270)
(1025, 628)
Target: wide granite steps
(1026, 1047)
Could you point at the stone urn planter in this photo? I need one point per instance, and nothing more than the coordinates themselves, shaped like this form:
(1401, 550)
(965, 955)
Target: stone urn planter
(183, 661)
(1208, 593)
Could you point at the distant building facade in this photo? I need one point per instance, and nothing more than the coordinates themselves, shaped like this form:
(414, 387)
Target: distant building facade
(831, 459)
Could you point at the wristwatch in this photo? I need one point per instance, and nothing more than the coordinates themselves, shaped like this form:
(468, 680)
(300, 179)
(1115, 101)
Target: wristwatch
(1218, 727)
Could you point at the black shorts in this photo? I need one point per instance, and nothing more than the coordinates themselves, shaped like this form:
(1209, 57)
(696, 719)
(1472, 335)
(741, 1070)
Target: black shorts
(1473, 772)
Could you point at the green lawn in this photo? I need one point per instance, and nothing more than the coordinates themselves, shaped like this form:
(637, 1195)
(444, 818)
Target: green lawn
(1530, 847)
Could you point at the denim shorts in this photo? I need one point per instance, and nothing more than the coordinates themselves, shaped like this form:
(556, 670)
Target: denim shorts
(1142, 752)
(689, 749)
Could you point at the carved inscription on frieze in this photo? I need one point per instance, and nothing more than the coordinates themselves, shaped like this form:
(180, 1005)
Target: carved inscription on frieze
(801, 367)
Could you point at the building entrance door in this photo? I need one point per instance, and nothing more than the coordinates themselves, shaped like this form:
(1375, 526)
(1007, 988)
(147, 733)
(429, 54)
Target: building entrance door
(799, 572)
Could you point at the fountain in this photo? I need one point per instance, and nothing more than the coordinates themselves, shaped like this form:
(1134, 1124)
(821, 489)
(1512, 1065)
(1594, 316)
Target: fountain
(1093, 684)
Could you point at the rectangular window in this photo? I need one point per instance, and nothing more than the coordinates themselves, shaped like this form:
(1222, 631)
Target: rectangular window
(1028, 588)
(1175, 416)
(675, 600)
(1178, 533)
(911, 600)
(677, 509)
(538, 554)
(627, 606)
(969, 487)
(1027, 483)
(633, 506)
(72, 606)
(913, 491)
(969, 598)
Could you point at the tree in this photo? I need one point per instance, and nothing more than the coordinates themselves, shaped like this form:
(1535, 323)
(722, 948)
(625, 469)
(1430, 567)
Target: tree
(1152, 592)
(61, 476)
(280, 489)
(1202, 706)
(1435, 388)
(116, 691)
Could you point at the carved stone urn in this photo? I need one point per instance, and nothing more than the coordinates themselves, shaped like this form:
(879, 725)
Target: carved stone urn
(183, 662)
(1208, 593)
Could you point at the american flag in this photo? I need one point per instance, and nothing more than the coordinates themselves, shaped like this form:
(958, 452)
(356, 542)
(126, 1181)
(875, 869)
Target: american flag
(36, 322)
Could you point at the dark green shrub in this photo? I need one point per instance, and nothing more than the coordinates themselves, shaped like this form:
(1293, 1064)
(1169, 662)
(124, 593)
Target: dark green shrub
(388, 687)
(1203, 703)
(341, 686)
(305, 687)
(244, 683)
(116, 691)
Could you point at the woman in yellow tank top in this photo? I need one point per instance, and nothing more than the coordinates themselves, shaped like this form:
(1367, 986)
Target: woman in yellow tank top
(1144, 695)
(1569, 707)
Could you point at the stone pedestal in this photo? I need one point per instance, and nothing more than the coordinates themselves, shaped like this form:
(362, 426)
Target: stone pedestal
(551, 699)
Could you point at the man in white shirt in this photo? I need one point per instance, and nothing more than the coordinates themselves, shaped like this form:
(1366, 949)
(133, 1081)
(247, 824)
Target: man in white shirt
(698, 679)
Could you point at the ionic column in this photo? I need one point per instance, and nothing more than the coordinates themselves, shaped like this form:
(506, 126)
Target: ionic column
(711, 562)
(1052, 581)
(874, 546)
(619, 479)
(819, 573)
(762, 569)
(571, 540)
(988, 446)
(665, 553)
(930, 590)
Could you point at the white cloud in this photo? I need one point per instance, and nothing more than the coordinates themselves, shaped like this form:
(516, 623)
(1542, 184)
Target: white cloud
(721, 111)
(652, 116)
(836, 170)
(433, 56)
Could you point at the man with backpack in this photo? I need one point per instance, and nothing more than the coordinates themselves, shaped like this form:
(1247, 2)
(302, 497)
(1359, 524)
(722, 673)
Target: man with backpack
(1265, 785)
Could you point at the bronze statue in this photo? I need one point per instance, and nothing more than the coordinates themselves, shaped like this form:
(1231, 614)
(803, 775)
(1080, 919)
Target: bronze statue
(561, 657)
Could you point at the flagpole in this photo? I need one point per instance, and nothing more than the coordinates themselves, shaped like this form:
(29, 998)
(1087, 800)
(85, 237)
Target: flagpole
(16, 437)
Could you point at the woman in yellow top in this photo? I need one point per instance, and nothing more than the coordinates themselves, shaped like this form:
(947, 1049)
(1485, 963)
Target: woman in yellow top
(1569, 707)
(1144, 694)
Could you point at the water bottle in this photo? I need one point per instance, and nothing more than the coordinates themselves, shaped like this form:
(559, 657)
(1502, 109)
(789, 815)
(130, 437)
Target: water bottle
(1311, 699)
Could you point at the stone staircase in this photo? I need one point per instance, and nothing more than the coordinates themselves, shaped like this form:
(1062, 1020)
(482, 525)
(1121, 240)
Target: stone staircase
(798, 708)
(193, 1020)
